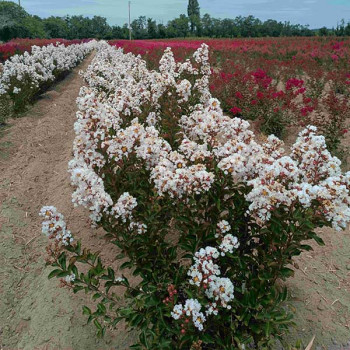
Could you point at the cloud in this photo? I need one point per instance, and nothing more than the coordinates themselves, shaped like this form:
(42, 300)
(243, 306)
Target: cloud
(339, 2)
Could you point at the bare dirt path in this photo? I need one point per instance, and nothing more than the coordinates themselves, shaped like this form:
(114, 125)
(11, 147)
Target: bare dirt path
(320, 294)
(36, 314)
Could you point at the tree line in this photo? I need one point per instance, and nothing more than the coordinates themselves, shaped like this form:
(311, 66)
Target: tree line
(15, 22)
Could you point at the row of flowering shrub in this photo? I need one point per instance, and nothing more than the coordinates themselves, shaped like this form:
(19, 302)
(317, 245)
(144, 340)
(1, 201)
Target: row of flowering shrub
(206, 219)
(19, 46)
(323, 50)
(279, 82)
(23, 77)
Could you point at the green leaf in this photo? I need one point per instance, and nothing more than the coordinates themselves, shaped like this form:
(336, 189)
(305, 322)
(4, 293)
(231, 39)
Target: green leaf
(54, 273)
(207, 338)
(86, 310)
(98, 325)
(143, 339)
(267, 329)
(62, 260)
(96, 296)
(111, 273)
(63, 274)
(318, 239)
(76, 289)
(126, 265)
(101, 308)
(286, 272)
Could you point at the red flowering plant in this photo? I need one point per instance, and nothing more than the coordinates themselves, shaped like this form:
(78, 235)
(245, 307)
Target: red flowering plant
(339, 82)
(331, 117)
(255, 96)
(316, 83)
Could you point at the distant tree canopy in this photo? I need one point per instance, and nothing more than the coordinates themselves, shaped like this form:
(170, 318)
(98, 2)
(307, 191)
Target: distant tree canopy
(15, 22)
(12, 21)
(194, 16)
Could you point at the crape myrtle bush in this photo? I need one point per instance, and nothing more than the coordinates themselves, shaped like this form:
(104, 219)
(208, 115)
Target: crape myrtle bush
(19, 46)
(23, 77)
(207, 219)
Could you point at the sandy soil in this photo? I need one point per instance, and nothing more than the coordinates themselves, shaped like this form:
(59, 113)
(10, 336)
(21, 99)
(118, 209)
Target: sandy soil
(34, 151)
(36, 314)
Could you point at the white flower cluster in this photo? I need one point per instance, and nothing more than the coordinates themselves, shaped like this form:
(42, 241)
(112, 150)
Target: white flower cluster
(191, 309)
(194, 151)
(30, 70)
(109, 129)
(119, 280)
(124, 206)
(54, 225)
(221, 290)
(121, 118)
(205, 272)
(173, 176)
(70, 278)
(310, 174)
(204, 267)
(184, 90)
(228, 243)
(222, 227)
(89, 190)
(139, 227)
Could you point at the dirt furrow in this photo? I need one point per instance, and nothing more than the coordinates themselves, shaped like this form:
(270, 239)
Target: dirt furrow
(34, 312)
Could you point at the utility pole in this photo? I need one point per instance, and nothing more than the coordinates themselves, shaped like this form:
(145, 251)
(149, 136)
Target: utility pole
(129, 22)
(19, 3)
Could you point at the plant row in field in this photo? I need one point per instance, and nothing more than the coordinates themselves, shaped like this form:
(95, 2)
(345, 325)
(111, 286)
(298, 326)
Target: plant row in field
(204, 216)
(278, 82)
(314, 49)
(24, 77)
(19, 46)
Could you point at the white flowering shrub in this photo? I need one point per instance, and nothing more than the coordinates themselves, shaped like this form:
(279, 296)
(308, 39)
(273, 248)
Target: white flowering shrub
(205, 217)
(23, 77)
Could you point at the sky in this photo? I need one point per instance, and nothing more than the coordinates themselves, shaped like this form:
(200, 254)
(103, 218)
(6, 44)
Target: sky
(316, 13)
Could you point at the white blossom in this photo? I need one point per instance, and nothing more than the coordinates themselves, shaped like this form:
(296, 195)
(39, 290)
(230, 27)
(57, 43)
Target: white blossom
(70, 278)
(54, 225)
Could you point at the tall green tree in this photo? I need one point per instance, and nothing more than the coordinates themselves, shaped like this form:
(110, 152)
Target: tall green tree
(35, 27)
(99, 27)
(193, 12)
(139, 28)
(161, 29)
(207, 25)
(12, 19)
(119, 32)
(178, 27)
(56, 27)
(151, 28)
